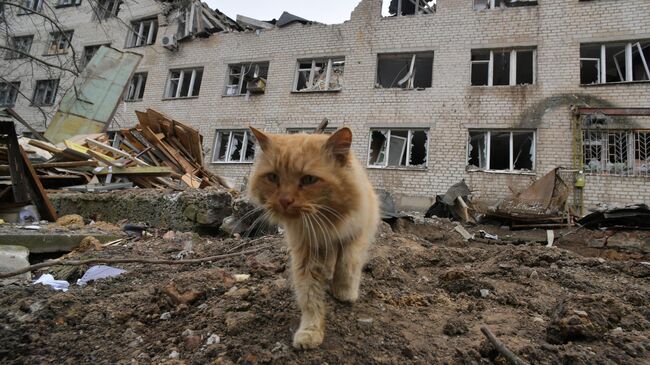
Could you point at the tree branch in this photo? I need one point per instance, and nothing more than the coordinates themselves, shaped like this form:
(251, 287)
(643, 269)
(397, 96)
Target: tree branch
(48, 64)
(60, 262)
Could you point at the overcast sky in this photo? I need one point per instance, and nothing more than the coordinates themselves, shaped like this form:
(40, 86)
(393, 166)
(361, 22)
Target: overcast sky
(323, 11)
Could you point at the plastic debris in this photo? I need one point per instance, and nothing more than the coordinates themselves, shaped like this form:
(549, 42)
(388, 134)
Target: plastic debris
(99, 272)
(48, 279)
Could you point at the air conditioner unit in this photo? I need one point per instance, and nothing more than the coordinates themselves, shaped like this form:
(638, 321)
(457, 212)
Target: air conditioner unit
(170, 42)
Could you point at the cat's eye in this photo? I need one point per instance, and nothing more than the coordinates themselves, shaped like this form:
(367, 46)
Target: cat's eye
(308, 180)
(272, 177)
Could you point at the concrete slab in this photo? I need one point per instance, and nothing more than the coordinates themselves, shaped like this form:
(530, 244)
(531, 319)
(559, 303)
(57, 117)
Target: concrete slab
(14, 258)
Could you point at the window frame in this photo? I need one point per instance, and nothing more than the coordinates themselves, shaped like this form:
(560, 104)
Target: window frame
(244, 70)
(84, 57)
(11, 89)
(491, 4)
(630, 48)
(14, 55)
(512, 77)
(409, 137)
(411, 79)
(140, 79)
(61, 4)
(511, 162)
(58, 38)
(55, 83)
(312, 73)
(248, 137)
(134, 37)
(603, 138)
(102, 12)
(181, 78)
(33, 9)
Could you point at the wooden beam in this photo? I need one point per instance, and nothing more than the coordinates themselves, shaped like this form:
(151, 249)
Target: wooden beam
(135, 170)
(22, 121)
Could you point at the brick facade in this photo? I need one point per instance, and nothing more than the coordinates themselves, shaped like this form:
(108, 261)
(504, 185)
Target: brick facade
(448, 109)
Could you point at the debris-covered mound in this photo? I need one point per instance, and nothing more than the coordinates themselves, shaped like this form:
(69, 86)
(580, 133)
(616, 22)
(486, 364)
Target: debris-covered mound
(422, 302)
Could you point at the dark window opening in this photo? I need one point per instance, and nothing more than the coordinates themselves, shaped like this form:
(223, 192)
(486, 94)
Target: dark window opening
(500, 151)
(501, 70)
(411, 7)
(615, 63)
(406, 71)
(398, 148)
(525, 66)
(522, 146)
(477, 150)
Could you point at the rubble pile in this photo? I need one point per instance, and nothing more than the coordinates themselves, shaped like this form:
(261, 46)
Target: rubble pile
(158, 153)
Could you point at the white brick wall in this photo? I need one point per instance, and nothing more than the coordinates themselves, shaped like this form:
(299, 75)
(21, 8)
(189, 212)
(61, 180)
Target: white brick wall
(448, 108)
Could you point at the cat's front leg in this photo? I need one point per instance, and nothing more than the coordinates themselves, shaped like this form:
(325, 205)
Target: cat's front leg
(308, 282)
(347, 272)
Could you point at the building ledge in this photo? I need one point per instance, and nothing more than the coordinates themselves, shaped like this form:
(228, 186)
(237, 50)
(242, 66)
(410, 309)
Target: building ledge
(401, 168)
(616, 83)
(504, 172)
(180, 98)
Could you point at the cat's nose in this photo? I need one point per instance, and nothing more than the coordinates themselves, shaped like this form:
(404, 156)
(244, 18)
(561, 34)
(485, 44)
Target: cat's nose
(285, 201)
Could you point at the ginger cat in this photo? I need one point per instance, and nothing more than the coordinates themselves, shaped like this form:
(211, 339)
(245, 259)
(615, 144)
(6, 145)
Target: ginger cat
(314, 187)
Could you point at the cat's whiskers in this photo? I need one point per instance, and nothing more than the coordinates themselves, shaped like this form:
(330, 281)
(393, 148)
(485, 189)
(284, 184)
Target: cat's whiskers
(305, 228)
(262, 219)
(239, 222)
(323, 217)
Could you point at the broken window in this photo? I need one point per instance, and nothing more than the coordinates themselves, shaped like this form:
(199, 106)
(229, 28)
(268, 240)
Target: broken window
(22, 45)
(89, 52)
(503, 67)
(405, 70)
(59, 42)
(614, 62)
(8, 93)
(616, 152)
(105, 9)
(411, 7)
(246, 77)
(233, 146)
(135, 92)
(501, 150)
(143, 32)
(45, 92)
(324, 74)
(64, 3)
(32, 5)
(398, 147)
(494, 4)
(184, 83)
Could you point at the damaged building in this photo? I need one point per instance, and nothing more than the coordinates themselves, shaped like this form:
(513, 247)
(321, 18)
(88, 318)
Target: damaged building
(437, 91)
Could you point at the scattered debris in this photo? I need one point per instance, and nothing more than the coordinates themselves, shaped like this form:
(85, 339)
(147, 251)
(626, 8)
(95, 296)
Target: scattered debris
(503, 350)
(48, 279)
(629, 217)
(99, 272)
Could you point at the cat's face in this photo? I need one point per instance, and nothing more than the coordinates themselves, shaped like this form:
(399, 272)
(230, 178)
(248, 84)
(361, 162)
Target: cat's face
(302, 174)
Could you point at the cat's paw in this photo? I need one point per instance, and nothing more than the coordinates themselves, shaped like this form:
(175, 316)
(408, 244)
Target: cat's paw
(345, 295)
(307, 339)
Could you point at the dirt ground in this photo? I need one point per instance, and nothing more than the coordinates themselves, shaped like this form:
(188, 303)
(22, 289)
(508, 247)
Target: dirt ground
(425, 295)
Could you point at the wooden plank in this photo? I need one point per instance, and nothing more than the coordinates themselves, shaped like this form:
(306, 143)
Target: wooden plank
(103, 159)
(45, 146)
(115, 151)
(170, 152)
(84, 150)
(135, 170)
(16, 168)
(38, 194)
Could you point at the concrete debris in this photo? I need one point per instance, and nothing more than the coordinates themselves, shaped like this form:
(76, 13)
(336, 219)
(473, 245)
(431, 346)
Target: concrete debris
(14, 258)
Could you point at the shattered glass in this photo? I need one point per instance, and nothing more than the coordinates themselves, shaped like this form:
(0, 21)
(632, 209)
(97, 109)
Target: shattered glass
(477, 150)
(378, 147)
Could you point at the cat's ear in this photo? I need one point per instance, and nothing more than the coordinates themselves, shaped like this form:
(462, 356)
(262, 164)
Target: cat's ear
(338, 144)
(263, 140)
